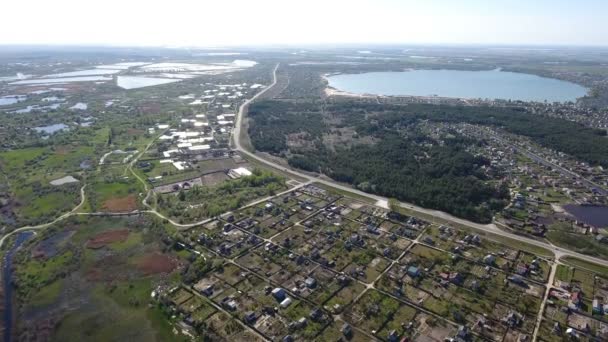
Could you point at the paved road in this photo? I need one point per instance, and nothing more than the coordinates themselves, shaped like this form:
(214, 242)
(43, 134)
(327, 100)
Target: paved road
(382, 201)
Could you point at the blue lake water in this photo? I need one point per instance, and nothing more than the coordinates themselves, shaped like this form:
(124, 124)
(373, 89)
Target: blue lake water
(596, 216)
(50, 129)
(492, 84)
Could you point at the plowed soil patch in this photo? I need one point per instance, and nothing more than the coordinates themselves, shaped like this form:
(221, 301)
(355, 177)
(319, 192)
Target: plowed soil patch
(123, 204)
(105, 238)
(156, 263)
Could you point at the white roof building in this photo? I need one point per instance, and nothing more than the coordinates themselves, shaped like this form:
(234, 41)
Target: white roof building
(199, 147)
(239, 172)
(168, 153)
(179, 165)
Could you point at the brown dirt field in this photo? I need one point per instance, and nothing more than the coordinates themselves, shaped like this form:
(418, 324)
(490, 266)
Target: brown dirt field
(63, 150)
(123, 204)
(133, 131)
(150, 108)
(155, 263)
(105, 238)
(94, 274)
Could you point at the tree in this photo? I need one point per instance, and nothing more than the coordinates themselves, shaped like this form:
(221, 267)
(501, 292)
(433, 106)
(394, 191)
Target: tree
(393, 204)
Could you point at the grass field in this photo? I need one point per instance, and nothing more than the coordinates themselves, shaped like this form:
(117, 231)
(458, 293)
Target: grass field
(47, 295)
(108, 292)
(599, 269)
(563, 273)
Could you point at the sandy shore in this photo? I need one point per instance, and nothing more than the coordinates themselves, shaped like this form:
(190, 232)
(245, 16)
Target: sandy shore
(331, 91)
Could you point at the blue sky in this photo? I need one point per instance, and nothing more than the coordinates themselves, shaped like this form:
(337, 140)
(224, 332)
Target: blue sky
(249, 22)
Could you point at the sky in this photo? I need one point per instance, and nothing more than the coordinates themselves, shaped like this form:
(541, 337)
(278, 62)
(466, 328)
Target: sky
(204, 23)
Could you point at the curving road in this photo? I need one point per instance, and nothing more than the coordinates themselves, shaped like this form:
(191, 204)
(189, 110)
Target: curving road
(44, 225)
(382, 201)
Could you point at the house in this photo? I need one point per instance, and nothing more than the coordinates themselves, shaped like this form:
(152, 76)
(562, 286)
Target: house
(601, 238)
(557, 329)
(576, 299)
(239, 172)
(597, 308)
(463, 332)
(513, 319)
(522, 269)
(208, 291)
(517, 279)
(372, 229)
(347, 330)
(316, 314)
(286, 302)
(250, 317)
(310, 282)
(489, 259)
(393, 336)
(413, 271)
(229, 303)
(456, 278)
(475, 286)
(571, 332)
(279, 294)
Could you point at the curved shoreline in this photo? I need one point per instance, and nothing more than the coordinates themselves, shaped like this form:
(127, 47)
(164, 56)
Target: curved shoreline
(576, 88)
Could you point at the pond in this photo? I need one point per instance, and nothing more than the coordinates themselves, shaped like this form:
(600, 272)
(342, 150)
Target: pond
(11, 99)
(490, 84)
(596, 216)
(50, 129)
(134, 82)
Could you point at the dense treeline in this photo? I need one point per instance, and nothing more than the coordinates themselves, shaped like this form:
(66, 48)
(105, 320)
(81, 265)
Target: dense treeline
(584, 143)
(407, 164)
(272, 121)
(447, 178)
(410, 167)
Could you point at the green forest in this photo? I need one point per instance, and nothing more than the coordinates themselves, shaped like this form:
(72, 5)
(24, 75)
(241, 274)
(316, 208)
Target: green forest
(410, 167)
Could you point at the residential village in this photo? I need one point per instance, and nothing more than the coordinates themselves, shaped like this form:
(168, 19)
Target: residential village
(311, 264)
(195, 149)
(553, 196)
